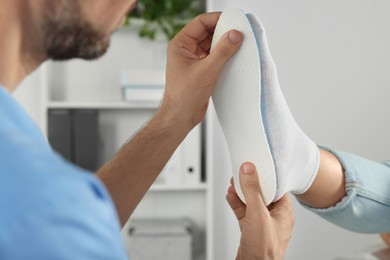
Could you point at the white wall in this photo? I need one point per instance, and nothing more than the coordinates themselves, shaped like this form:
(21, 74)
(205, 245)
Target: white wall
(333, 60)
(29, 96)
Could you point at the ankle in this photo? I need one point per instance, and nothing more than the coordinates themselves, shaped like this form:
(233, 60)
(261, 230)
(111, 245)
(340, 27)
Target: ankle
(328, 188)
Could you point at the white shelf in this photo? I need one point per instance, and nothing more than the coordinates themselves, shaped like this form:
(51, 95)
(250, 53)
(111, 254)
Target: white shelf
(103, 105)
(162, 187)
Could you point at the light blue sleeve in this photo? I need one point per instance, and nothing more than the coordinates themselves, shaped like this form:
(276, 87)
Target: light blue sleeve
(366, 208)
(49, 208)
(75, 222)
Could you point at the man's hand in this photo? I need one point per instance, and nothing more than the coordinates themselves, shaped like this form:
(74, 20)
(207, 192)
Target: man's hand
(265, 232)
(192, 70)
(191, 75)
(386, 238)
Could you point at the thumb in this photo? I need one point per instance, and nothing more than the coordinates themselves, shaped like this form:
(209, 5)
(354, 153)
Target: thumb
(227, 46)
(250, 186)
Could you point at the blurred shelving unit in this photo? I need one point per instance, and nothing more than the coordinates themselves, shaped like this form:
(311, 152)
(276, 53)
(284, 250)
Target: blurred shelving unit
(96, 85)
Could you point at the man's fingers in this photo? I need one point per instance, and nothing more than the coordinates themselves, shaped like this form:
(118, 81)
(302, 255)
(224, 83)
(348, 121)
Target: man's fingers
(201, 27)
(235, 203)
(227, 46)
(232, 181)
(194, 40)
(282, 206)
(238, 257)
(386, 238)
(206, 44)
(282, 211)
(250, 185)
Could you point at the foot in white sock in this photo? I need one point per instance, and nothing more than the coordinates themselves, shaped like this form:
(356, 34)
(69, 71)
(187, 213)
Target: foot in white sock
(295, 157)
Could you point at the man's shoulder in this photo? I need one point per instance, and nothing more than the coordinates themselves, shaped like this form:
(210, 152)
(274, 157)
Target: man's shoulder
(50, 209)
(44, 177)
(66, 225)
(65, 212)
(35, 177)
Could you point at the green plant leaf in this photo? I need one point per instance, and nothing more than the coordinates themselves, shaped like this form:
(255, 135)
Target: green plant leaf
(166, 16)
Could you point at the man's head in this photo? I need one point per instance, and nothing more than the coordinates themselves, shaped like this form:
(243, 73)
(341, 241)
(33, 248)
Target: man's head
(80, 28)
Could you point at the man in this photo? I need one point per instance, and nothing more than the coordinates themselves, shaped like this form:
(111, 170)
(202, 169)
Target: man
(51, 209)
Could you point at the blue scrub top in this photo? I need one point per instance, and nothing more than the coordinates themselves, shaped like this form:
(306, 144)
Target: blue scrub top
(49, 208)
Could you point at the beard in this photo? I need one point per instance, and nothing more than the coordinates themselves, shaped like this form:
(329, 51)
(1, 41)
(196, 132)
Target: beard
(68, 35)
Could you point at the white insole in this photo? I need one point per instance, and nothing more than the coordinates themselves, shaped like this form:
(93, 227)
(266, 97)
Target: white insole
(237, 98)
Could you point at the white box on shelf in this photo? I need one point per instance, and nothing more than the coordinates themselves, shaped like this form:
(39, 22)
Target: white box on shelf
(142, 93)
(160, 239)
(143, 85)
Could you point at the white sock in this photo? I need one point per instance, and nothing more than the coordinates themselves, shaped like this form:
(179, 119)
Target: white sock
(296, 157)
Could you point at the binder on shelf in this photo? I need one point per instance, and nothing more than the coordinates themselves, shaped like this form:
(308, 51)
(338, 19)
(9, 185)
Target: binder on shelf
(172, 173)
(203, 157)
(60, 132)
(75, 135)
(86, 138)
(192, 157)
(184, 167)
